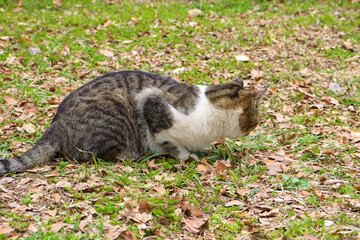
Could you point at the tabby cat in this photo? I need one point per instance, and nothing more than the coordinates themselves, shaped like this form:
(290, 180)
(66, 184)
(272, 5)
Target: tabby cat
(128, 114)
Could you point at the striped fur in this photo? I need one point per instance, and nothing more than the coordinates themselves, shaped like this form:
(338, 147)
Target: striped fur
(131, 113)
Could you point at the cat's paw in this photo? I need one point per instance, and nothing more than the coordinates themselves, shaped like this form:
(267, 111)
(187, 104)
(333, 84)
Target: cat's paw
(188, 157)
(193, 157)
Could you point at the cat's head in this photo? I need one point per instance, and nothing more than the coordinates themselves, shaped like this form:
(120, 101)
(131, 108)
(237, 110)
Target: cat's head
(244, 102)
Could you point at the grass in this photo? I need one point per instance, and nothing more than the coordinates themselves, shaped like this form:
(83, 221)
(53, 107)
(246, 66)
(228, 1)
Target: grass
(307, 130)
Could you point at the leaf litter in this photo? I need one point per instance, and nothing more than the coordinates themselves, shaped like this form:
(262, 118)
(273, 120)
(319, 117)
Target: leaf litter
(302, 161)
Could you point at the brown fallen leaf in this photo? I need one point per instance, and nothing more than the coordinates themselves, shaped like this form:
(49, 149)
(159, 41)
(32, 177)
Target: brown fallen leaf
(279, 117)
(6, 230)
(24, 181)
(202, 168)
(144, 206)
(135, 20)
(196, 225)
(196, 212)
(8, 99)
(29, 128)
(85, 222)
(55, 228)
(57, 197)
(277, 167)
(128, 235)
(113, 232)
(220, 166)
(65, 50)
(305, 73)
(106, 53)
(194, 12)
(159, 190)
(355, 133)
(6, 180)
(141, 217)
(348, 45)
(32, 228)
(57, 2)
(333, 181)
(309, 237)
(17, 10)
(243, 192)
(234, 203)
(107, 23)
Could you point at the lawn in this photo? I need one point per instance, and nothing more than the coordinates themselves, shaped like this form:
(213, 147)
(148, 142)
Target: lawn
(297, 176)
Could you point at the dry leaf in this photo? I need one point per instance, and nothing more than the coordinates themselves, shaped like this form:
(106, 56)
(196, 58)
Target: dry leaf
(57, 197)
(65, 50)
(242, 58)
(335, 87)
(34, 51)
(202, 168)
(57, 2)
(305, 73)
(85, 222)
(256, 75)
(234, 203)
(160, 190)
(6, 230)
(309, 237)
(55, 228)
(32, 228)
(6, 180)
(142, 217)
(355, 133)
(220, 166)
(107, 23)
(24, 181)
(17, 10)
(135, 20)
(277, 167)
(29, 127)
(106, 53)
(243, 192)
(128, 235)
(144, 206)
(8, 99)
(196, 212)
(196, 225)
(333, 181)
(194, 12)
(348, 45)
(114, 232)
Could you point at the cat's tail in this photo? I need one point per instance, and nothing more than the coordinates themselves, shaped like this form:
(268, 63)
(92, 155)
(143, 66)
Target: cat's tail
(43, 152)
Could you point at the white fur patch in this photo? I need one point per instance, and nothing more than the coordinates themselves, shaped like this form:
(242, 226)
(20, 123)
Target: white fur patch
(200, 128)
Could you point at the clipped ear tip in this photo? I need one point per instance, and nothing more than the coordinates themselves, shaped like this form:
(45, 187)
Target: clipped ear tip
(238, 81)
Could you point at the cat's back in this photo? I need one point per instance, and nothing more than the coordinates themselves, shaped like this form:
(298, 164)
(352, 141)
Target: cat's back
(130, 84)
(130, 81)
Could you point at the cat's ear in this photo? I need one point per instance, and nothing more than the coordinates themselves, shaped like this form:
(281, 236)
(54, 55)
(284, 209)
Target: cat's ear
(238, 81)
(261, 93)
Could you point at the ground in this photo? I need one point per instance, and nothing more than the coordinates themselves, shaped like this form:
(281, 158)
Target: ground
(295, 177)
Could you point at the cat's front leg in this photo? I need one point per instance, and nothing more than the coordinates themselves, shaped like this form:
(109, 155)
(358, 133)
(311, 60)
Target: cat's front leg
(179, 151)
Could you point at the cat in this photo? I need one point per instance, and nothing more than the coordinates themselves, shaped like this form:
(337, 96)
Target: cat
(129, 114)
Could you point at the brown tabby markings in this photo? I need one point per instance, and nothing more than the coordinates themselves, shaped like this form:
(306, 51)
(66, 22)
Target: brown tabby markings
(126, 113)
